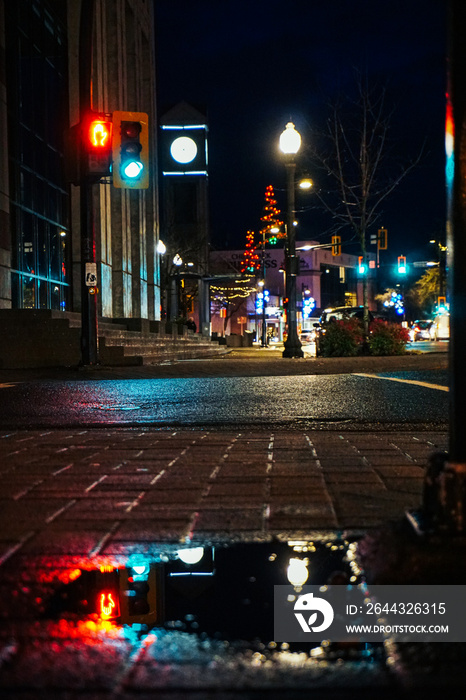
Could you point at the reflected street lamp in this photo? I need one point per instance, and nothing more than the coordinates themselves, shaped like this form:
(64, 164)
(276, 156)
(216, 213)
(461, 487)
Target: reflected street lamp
(290, 141)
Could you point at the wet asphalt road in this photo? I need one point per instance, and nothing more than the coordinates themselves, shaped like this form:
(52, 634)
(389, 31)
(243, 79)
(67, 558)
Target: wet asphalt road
(349, 400)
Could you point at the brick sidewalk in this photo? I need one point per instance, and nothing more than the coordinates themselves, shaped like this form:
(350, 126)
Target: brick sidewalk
(108, 492)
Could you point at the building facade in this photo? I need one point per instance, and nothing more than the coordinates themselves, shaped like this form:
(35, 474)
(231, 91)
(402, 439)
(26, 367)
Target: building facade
(40, 226)
(324, 280)
(184, 166)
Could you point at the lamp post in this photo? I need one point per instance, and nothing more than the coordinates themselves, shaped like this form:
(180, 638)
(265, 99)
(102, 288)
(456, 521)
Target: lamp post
(290, 141)
(262, 285)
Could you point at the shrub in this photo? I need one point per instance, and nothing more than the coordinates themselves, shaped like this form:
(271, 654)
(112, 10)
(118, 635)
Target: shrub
(342, 338)
(387, 338)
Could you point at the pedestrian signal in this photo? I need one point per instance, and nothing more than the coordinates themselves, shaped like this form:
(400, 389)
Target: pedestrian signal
(96, 136)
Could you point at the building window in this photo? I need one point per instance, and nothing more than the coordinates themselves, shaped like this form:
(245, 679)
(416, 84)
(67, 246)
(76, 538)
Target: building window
(37, 104)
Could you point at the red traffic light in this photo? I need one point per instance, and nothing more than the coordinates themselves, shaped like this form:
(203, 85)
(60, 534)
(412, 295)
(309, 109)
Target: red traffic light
(130, 130)
(100, 135)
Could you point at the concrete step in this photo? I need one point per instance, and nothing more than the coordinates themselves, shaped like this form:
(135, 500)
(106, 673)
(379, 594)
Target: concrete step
(50, 338)
(119, 355)
(132, 339)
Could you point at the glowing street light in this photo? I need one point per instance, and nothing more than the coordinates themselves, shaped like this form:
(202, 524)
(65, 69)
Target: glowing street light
(290, 142)
(161, 247)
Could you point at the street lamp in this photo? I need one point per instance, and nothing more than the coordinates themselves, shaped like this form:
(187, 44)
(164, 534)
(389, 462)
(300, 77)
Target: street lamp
(290, 141)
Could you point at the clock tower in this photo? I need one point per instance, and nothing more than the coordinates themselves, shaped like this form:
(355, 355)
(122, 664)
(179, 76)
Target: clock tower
(184, 213)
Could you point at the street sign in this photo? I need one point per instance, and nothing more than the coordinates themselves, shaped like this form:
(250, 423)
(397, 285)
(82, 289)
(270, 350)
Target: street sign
(91, 275)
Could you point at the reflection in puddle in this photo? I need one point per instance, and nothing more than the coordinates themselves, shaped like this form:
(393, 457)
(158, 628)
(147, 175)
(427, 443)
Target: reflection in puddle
(223, 593)
(197, 618)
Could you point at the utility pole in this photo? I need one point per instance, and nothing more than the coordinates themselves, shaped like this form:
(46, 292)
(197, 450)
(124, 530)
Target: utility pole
(89, 349)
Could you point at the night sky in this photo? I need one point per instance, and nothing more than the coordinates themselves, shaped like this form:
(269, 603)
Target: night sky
(252, 65)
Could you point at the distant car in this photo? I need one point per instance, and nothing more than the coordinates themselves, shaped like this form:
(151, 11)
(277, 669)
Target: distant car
(420, 330)
(308, 336)
(341, 313)
(440, 328)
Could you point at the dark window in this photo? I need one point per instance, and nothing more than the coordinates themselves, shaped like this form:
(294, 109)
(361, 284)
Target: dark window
(185, 203)
(37, 104)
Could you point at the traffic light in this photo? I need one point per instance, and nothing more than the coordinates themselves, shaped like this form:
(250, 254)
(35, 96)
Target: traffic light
(107, 593)
(362, 267)
(141, 587)
(382, 241)
(97, 139)
(442, 303)
(336, 245)
(402, 265)
(130, 150)
(88, 149)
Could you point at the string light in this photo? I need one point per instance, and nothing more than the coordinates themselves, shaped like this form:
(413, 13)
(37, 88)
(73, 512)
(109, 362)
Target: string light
(251, 260)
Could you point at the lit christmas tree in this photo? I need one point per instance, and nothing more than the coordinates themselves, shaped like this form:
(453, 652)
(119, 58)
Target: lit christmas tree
(251, 261)
(270, 218)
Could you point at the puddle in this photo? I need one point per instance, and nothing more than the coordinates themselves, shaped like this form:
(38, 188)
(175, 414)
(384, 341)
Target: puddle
(197, 618)
(221, 592)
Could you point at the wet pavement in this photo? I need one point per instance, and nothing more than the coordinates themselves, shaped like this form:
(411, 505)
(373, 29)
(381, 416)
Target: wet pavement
(81, 510)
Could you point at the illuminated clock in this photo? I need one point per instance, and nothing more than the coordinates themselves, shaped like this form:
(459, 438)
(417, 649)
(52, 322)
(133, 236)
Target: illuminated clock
(183, 149)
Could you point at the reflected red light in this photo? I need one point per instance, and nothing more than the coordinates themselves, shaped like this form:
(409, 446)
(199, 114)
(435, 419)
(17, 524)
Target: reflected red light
(106, 567)
(109, 606)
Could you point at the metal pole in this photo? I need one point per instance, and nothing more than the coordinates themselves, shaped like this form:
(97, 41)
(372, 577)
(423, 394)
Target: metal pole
(456, 231)
(444, 496)
(292, 345)
(264, 320)
(89, 351)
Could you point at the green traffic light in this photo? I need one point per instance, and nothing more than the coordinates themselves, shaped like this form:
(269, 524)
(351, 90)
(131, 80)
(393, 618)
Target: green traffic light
(133, 169)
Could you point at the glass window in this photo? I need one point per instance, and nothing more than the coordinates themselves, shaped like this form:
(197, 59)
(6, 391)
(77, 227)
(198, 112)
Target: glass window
(28, 292)
(37, 91)
(43, 289)
(43, 248)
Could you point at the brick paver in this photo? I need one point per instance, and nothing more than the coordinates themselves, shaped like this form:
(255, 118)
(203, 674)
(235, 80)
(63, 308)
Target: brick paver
(89, 492)
(74, 498)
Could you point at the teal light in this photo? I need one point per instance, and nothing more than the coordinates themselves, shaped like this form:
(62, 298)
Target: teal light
(133, 169)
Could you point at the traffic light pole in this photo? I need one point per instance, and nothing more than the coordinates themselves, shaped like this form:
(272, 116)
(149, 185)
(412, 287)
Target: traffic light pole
(89, 343)
(89, 336)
